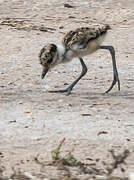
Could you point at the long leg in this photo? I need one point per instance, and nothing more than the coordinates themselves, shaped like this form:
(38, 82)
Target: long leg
(70, 87)
(115, 72)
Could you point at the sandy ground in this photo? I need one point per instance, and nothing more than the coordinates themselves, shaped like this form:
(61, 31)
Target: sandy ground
(32, 120)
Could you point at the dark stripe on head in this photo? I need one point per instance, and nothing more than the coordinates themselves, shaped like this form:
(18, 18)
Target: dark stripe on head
(53, 48)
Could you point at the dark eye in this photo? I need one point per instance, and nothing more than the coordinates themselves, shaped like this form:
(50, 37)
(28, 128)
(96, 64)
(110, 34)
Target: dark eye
(53, 48)
(50, 60)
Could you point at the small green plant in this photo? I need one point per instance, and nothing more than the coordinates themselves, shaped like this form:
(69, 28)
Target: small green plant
(67, 159)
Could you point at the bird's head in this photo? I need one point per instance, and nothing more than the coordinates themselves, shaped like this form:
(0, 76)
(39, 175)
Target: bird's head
(48, 56)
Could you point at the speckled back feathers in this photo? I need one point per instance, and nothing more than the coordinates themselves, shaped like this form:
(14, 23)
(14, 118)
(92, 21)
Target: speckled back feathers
(83, 35)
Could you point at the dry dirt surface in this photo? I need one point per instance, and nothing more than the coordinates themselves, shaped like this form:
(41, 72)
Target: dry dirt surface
(34, 121)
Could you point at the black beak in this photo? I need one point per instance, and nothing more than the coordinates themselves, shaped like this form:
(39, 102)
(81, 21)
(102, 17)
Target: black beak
(44, 72)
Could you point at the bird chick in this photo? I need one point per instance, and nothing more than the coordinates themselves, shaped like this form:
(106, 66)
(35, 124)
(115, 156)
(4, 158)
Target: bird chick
(78, 43)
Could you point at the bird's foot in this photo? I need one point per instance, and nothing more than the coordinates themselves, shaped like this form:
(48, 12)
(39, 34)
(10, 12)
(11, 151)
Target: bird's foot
(116, 80)
(67, 90)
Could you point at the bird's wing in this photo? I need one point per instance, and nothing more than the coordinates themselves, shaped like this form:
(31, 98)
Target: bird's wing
(79, 38)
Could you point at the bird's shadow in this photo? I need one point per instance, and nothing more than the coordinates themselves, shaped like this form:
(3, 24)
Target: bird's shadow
(41, 95)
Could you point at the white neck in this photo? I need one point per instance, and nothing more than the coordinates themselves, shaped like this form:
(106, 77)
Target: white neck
(61, 51)
(64, 56)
